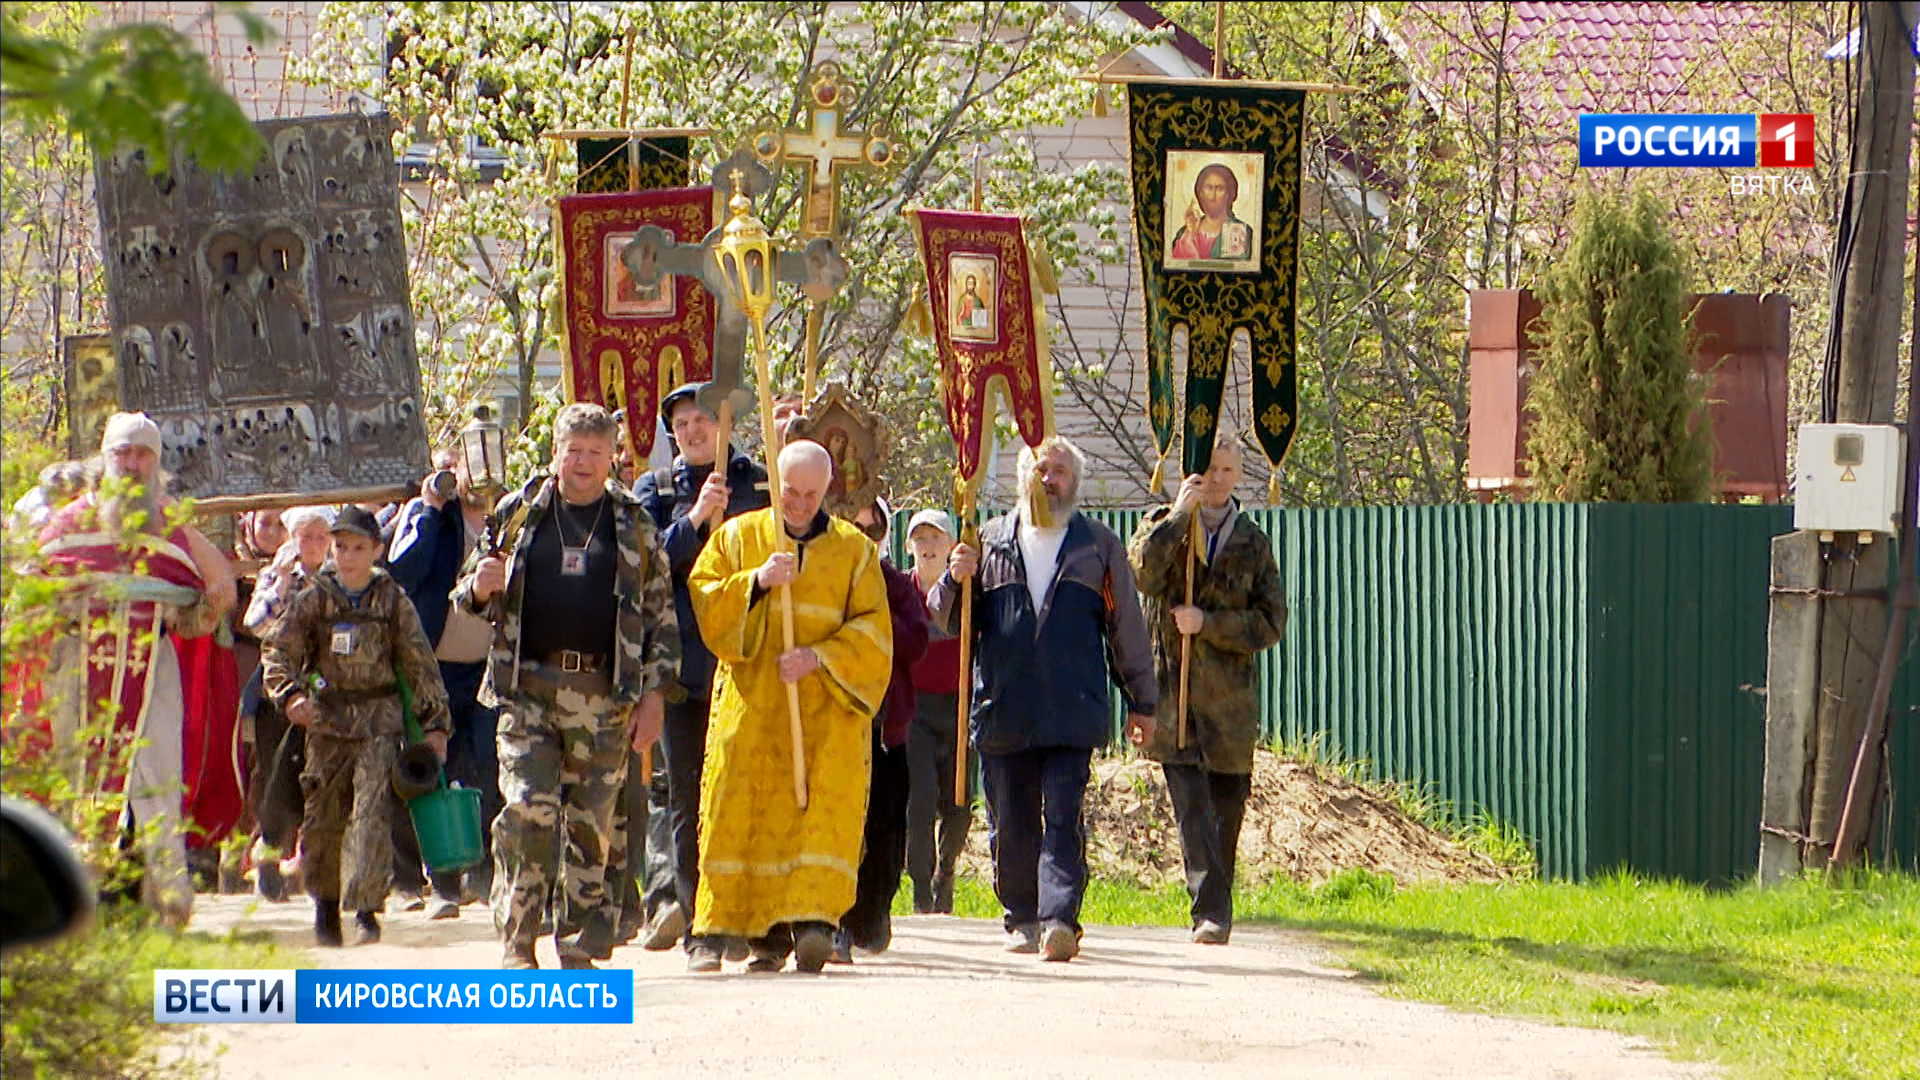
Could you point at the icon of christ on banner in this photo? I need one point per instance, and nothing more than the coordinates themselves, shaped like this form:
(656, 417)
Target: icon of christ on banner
(626, 299)
(1213, 210)
(975, 281)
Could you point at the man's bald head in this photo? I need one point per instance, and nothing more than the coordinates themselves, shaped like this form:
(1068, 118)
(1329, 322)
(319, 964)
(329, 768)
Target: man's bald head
(805, 471)
(806, 454)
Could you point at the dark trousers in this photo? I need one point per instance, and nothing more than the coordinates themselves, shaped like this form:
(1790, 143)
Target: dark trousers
(684, 738)
(642, 881)
(473, 761)
(936, 828)
(1038, 833)
(273, 785)
(869, 921)
(1209, 807)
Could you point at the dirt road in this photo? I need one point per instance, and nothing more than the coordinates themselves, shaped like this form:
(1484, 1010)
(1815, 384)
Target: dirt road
(944, 1002)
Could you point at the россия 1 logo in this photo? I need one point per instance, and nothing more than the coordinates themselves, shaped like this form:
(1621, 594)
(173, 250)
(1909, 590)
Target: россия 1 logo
(1696, 140)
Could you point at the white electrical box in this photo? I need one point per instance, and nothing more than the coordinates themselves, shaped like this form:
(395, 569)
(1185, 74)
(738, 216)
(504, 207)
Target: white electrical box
(1847, 478)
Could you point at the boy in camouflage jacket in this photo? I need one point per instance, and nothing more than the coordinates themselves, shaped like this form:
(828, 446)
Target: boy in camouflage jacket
(331, 666)
(1239, 610)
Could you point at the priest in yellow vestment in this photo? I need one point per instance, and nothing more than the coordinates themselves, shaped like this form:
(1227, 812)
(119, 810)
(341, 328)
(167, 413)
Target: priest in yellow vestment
(771, 872)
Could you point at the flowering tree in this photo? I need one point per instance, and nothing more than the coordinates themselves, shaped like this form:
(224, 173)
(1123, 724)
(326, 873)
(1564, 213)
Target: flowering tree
(481, 83)
(1473, 163)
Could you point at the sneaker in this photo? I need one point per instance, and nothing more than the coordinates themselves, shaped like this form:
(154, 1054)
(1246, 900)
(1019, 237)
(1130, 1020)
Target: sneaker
(326, 924)
(1210, 933)
(410, 900)
(842, 948)
(667, 928)
(703, 958)
(366, 929)
(519, 958)
(812, 947)
(268, 884)
(735, 949)
(1059, 943)
(444, 909)
(1024, 940)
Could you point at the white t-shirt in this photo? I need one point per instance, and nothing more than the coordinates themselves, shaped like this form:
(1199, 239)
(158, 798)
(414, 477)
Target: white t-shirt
(1041, 550)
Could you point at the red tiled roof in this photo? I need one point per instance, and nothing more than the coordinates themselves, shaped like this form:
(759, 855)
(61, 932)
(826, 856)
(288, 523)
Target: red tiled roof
(1613, 56)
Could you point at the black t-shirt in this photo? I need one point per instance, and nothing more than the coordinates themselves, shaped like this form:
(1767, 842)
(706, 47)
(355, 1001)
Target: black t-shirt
(570, 603)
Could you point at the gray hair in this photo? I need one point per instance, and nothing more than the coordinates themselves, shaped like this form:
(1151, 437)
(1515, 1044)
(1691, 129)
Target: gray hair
(95, 469)
(1030, 455)
(584, 418)
(300, 516)
(64, 478)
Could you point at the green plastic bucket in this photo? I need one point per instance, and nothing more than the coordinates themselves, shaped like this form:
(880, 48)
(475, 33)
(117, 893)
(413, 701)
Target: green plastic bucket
(447, 822)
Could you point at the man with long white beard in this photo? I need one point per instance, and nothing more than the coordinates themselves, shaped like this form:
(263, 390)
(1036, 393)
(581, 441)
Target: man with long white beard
(1056, 624)
(140, 583)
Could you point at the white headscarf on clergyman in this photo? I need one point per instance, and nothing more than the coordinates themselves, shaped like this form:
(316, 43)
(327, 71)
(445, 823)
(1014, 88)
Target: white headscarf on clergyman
(130, 429)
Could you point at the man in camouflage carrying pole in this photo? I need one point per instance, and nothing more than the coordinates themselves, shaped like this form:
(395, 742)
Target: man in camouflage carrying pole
(1238, 610)
(586, 650)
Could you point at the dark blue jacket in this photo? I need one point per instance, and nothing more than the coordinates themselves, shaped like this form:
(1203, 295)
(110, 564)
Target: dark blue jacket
(1041, 679)
(670, 503)
(425, 556)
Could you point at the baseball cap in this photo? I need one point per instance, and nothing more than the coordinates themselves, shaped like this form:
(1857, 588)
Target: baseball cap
(686, 392)
(352, 519)
(939, 519)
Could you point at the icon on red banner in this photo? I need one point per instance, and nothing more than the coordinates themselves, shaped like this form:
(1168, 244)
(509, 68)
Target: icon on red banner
(1786, 140)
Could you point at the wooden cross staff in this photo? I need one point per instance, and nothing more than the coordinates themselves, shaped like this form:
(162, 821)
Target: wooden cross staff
(824, 150)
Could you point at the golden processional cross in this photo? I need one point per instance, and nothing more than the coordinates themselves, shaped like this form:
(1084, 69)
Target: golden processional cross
(823, 149)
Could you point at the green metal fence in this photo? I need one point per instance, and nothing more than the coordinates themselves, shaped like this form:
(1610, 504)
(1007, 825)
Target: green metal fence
(1593, 675)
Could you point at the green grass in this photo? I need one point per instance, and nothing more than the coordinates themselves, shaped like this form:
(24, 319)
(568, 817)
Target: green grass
(82, 1008)
(1803, 980)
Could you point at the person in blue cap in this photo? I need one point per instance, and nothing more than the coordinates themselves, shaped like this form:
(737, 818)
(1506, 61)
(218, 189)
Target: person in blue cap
(688, 500)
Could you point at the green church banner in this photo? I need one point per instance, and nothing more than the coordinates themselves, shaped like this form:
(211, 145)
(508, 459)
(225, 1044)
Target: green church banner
(1216, 202)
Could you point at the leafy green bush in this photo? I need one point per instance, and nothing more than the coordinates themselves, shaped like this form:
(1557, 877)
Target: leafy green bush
(82, 1008)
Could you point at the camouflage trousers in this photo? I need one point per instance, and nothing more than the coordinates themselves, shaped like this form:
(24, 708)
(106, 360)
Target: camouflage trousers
(346, 839)
(563, 762)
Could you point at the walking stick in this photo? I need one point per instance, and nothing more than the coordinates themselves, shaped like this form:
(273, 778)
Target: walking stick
(1186, 640)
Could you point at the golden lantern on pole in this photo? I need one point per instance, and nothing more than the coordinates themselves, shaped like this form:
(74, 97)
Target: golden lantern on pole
(746, 256)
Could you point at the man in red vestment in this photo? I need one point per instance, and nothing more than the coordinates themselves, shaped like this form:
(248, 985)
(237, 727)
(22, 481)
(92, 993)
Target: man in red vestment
(136, 585)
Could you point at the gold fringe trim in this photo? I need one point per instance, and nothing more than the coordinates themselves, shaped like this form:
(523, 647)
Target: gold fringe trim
(1159, 474)
(1273, 488)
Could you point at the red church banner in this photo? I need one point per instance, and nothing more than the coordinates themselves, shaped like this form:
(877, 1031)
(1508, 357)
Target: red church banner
(988, 325)
(627, 347)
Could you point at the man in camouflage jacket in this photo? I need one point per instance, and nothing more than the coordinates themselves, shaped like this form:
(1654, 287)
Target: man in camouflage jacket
(1239, 610)
(332, 665)
(586, 653)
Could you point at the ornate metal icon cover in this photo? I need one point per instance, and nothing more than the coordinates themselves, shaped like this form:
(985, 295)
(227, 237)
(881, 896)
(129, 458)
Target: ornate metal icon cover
(263, 320)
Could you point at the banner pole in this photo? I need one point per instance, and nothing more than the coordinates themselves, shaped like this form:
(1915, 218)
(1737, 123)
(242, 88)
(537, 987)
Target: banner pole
(1186, 640)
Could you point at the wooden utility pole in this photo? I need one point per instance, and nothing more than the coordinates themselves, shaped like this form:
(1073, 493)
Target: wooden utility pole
(1824, 729)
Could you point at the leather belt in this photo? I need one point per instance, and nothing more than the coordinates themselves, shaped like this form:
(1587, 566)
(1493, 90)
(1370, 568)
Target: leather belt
(568, 662)
(337, 696)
